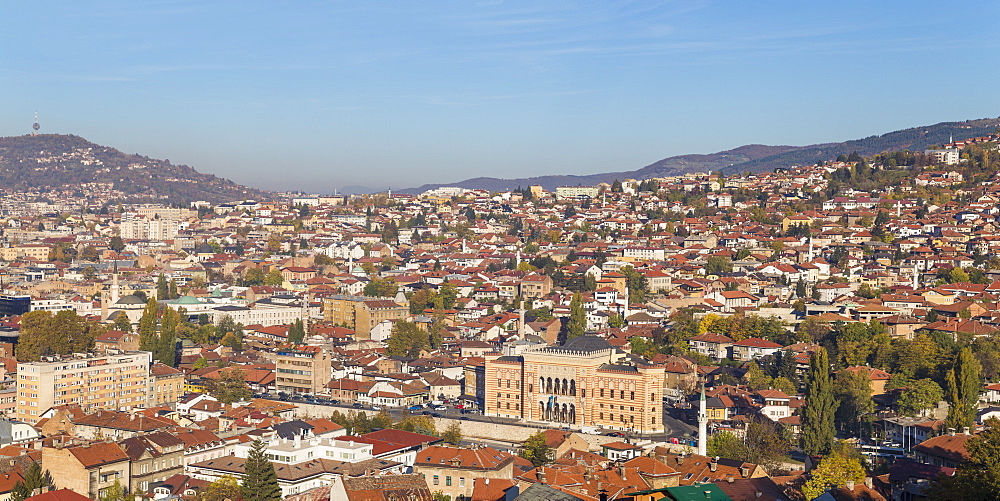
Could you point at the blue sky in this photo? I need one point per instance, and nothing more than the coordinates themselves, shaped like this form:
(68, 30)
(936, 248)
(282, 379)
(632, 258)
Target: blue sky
(316, 95)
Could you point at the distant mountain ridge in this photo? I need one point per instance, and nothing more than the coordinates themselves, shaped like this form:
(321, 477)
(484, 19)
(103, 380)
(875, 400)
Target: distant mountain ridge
(752, 158)
(57, 160)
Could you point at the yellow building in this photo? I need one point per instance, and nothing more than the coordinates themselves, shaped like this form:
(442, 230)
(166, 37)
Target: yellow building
(39, 252)
(580, 383)
(301, 369)
(116, 382)
(361, 313)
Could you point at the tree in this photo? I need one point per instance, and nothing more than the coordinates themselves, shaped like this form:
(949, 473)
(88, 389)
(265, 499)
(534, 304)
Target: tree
(162, 292)
(116, 244)
(833, 470)
(963, 391)
(114, 493)
(636, 283)
(855, 396)
(226, 488)
(172, 290)
(817, 419)
(452, 434)
(381, 287)
(166, 344)
(296, 331)
(536, 450)
(978, 477)
(148, 339)
(418, 424)
(407, 339)
(274, 278)
(577, 323)
(230, 386)
(44, 334)
(254, 276)
(35, 481)
(918, 396)
(717, 265)
(260, 482)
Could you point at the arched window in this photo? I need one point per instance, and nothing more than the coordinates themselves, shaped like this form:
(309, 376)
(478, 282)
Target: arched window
(548, 386)
(572, 387)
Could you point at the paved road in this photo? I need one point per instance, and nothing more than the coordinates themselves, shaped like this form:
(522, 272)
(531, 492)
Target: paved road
(673, 427)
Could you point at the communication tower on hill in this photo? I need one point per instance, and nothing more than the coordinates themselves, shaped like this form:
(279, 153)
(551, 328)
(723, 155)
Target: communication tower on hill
(35, 126)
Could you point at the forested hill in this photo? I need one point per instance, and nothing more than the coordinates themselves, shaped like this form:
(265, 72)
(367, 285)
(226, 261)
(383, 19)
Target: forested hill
(913, 139)
(64, 161)
(754, 158)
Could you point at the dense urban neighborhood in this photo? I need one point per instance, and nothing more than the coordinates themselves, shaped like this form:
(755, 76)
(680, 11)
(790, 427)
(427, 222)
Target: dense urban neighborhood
(826, 331)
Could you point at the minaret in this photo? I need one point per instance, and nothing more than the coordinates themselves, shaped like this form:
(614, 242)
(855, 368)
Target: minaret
(914, 277)
(810, 249)
(702, 423)
(518, 258)
(115, 291)
(625, 311)
(522, 331)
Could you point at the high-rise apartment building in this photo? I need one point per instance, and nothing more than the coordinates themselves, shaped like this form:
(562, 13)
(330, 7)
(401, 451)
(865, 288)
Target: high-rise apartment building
(116, 382)
(301, 369)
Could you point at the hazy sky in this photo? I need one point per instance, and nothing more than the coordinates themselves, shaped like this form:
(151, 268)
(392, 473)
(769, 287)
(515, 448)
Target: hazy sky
(316, 95)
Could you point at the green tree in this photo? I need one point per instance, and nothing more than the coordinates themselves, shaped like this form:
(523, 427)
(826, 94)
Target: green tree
(122, 323)
(114, 493)
(407, 339)
(536, 450)
(381, 287)
(116, 244)
(274, 278)
(452, 434)
(148, 339)
(577, 323)
(260, 482)
(818, 417)
(43, 333)
(230, 386)
(296, 331)
(166, 344)
(918, 396)
(853, 391)
(226, 488)
(162, 292)
(957, 275)
(172, 290)
(418, 424)
(254, 276)
(963, 383)
(36, 481)
(636, 283)
(717, 265)
(978, 477)
(834, 470)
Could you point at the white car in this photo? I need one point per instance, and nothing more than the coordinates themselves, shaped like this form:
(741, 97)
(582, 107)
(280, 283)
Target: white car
(440, 408)
(376, 408)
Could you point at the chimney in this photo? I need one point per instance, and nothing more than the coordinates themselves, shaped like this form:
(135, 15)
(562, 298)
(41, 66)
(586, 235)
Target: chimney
(966, 430)
(621, 471)
(680, 459)
(869, 483)
(730, 479)
(951, 432)
(850, 485)
(714, 465)
(540, 474)
(588, 475)
(745, 471)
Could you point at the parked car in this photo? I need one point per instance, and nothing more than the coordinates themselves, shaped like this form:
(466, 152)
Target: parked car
(615, 434)
(376, 408)
(440, 408)
(358, 405)
(415, 407)
(335, 402)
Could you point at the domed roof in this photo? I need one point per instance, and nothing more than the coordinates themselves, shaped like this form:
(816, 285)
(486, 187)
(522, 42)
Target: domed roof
(186, 300)
(131, 299)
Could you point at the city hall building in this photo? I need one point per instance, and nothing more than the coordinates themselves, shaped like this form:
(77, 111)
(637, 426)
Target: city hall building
(584, 382)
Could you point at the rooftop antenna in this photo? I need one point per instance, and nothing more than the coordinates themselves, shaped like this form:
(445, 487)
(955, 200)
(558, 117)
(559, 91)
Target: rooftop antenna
(35, 126)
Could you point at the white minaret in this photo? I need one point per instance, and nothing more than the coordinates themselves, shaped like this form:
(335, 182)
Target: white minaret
(519, 258)
(702, 424)
(522, 331)
(625, 311)
(915, 277)
(810, 249)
